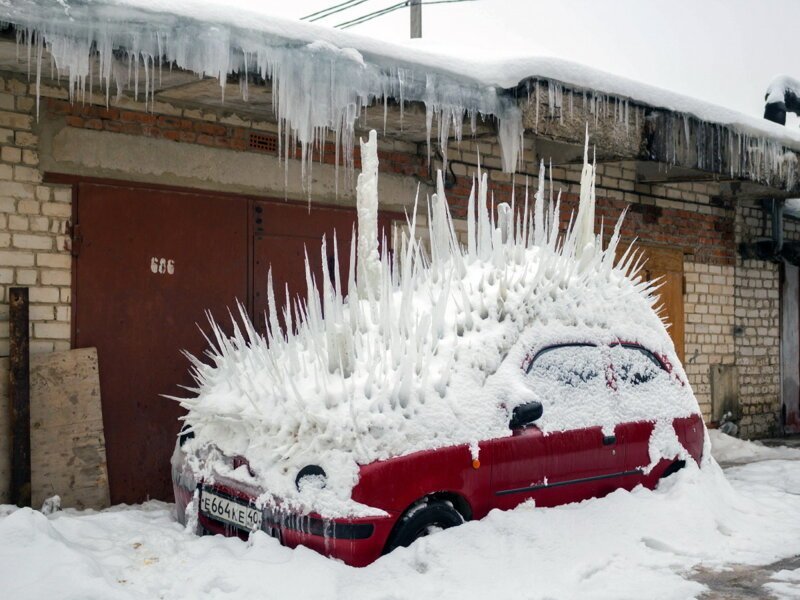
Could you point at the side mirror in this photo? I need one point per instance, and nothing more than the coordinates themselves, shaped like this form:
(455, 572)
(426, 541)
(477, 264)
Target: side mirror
(187, 433)
(525, 414)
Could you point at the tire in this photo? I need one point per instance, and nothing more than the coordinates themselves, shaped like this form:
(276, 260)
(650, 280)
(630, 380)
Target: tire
(421, 520)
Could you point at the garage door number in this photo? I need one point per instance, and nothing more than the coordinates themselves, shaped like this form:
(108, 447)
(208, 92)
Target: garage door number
(161, 266)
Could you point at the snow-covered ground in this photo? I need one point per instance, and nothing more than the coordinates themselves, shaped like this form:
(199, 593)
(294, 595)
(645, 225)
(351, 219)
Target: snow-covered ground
(730, 450)
(644, 544)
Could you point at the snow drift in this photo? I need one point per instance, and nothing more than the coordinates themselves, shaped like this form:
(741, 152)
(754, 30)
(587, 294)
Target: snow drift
(628, 545)
(427, 348)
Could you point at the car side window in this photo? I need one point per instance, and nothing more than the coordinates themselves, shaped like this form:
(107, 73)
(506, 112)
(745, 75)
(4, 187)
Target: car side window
(567, 368)
(634, 365)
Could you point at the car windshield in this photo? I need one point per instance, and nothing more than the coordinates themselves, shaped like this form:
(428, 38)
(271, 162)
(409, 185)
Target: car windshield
(575, 366)
(634, 365)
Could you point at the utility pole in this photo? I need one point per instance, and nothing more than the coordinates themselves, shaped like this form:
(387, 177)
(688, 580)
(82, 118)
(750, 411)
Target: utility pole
(416, 18)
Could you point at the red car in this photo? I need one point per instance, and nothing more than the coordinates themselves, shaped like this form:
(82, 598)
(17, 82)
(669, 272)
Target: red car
(436, 489)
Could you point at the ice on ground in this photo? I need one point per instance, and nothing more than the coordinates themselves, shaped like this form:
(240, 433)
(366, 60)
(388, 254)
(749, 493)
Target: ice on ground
(728, 450)
(785, 585)
(428, 347)
(642, 544)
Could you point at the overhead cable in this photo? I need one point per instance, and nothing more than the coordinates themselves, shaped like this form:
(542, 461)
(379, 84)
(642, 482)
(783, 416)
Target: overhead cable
(372, 15)
(331, 10)
(389, 9)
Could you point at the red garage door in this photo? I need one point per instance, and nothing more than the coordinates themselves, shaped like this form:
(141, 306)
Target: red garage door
(149, 264)
(284, 233)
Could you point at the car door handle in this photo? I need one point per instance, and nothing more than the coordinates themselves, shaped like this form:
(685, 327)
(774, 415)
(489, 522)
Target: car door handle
(609, 439)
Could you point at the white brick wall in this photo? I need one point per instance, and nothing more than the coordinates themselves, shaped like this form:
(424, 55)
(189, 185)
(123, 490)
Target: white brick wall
(709, 310)
(33, 227)
(758, 331)
(758, 345)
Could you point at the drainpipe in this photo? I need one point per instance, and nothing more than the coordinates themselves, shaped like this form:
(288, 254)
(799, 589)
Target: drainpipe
(776, 212)
(771, 247)
(783, 95)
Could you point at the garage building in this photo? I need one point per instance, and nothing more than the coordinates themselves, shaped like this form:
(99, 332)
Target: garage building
(129, 215)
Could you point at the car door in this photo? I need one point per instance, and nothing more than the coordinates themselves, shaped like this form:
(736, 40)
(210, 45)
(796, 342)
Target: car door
(639, 379)
(560, 463)
(519, 467)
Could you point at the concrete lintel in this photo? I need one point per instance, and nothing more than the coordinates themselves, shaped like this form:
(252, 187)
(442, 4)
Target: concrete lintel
(134, 158)
(656, 172)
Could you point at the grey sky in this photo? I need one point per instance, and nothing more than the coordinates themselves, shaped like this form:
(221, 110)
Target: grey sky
(722, 51)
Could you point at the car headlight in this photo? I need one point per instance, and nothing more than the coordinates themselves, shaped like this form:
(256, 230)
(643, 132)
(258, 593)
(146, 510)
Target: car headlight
(309, 471)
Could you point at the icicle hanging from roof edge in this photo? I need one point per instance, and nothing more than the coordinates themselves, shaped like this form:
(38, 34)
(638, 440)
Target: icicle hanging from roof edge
(584, 222)
(539, 231)
(317, 87)
(369, 260)
(510, 134)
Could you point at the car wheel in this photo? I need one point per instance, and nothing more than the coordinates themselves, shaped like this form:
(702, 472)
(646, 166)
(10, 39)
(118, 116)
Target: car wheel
(423, 519)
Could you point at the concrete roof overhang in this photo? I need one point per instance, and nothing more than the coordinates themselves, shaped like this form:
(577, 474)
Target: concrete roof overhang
(666, 147)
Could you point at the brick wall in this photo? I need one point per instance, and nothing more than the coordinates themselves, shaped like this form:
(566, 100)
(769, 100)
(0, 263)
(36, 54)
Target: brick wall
(757, 302)
(658, 213)
(33, 227)
(758, 346)
(791, 229)
(709, 310)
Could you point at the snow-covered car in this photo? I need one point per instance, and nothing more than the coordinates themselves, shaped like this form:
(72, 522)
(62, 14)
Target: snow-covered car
(525, 365)
(439, 488)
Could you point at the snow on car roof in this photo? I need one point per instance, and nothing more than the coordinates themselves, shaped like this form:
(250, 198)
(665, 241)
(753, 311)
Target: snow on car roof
(427, 348)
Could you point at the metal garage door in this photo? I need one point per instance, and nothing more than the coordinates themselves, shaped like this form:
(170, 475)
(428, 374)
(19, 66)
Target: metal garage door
(282, 234)
(149, 264)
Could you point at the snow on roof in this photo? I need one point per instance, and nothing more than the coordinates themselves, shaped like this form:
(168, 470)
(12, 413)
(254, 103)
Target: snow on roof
(425, 353)
(324, 76)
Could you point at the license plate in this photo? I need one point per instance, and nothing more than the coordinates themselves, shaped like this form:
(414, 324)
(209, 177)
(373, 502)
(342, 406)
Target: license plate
(223, 509)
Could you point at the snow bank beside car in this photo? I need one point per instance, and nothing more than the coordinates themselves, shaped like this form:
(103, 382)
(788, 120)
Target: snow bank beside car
(642, 544)
(728, 450)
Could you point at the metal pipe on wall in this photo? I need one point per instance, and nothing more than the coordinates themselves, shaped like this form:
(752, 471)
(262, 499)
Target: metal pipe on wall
(19, 396)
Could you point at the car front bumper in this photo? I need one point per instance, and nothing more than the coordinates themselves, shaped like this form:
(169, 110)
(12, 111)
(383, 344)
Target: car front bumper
(355, 541)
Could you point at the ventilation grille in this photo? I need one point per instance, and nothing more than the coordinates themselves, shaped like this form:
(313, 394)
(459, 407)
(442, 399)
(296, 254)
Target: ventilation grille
(264, 142)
